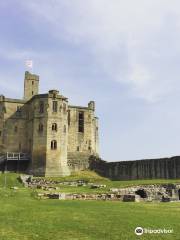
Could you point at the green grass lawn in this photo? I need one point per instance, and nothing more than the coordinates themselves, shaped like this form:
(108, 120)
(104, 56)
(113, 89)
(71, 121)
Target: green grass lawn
(9, 180)
(23, 217)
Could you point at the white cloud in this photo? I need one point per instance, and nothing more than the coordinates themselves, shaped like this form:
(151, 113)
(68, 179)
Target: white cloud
(14, 54)
(133, 42)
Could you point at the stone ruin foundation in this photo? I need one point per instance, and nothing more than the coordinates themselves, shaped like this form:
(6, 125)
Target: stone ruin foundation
(141, 193)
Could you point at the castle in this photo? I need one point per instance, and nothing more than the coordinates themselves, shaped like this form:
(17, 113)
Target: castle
(45, 128)
(43, 135)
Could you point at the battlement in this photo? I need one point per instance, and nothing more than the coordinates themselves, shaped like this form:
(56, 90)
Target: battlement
(30, 76)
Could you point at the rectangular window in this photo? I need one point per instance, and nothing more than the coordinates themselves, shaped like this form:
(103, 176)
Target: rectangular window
(18, 108)
(18, 111)
(0, 133)
(15, 129)
(81, 122)
(41, 107)
(69, 117)
(55, 106)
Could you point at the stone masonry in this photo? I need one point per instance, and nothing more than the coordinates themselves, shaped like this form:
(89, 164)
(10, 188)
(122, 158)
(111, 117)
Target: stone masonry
(53, 133)
(165, 168)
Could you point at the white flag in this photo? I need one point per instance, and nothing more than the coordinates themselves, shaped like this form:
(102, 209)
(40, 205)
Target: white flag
(29, 63)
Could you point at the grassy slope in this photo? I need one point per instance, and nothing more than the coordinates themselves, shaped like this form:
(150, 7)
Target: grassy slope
(9, 180)
(24, 218)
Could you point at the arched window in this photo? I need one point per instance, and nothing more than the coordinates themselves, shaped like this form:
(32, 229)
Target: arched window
(55, 106)
(41, 127)
(18, 111)
(4, 109)
(15, 129)
(69, 117)
(41, 107)
(64, 107)
(53, 144)
(54, 127)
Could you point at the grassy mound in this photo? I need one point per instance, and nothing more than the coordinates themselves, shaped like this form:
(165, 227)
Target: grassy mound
(89, 176)
(93, 177)
(9, 180)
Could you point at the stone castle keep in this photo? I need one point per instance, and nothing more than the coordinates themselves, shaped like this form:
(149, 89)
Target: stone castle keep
(45, 136)
(44, 133)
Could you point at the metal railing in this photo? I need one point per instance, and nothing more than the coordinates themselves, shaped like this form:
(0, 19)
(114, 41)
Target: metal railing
(17, 156)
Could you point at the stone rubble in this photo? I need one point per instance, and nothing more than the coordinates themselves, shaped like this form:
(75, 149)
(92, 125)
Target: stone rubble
(14, 188)
(45, 184)
(156, 192)
(98, 186)
(141, 193)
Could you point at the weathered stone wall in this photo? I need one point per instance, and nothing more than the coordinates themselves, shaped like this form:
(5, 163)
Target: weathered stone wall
(13, 126)
(78, 161)
(45, 160)
(86, 141)
(81, 145)
(56, 160)
(37, 140)
(167, 168)
(31, 85)
(20, 122)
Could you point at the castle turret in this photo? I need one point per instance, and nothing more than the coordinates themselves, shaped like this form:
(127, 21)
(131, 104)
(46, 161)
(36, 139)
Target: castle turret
(91, 105)
(31, 85)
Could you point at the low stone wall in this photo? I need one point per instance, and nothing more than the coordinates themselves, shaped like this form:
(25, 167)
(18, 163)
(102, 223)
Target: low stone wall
(166, 168)
(145, 193)
(84, 196)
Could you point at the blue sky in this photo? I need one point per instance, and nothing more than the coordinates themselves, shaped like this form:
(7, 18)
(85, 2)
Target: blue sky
(125, 55)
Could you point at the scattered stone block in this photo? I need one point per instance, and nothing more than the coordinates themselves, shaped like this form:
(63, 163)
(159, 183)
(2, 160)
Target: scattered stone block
(165, 199)
(129, 198)
(14, 188)
(53, 195)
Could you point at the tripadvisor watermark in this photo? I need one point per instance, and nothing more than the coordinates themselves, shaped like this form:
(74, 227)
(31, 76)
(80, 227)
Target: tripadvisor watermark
(140, 231)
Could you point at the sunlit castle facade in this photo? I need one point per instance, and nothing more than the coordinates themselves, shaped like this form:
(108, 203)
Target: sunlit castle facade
(45, 127)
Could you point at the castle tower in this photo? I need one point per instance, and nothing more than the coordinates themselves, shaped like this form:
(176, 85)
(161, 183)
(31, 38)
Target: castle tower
(57, 132)
(31, 85)
(50, 134)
